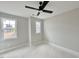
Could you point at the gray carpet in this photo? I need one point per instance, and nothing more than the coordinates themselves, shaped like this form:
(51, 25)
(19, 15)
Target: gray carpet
(42, 51)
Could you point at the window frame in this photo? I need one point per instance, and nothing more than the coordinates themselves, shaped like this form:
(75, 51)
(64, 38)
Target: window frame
(3, 29)
(38, 29)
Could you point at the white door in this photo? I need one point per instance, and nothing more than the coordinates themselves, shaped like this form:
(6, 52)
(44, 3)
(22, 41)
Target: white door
(37, 31)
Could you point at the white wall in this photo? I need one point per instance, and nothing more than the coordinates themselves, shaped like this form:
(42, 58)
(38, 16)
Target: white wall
(63, 29)
(22, 32)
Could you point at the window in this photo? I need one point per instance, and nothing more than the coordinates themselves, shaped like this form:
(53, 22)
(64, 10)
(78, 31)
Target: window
(9, 29)
(38, 27)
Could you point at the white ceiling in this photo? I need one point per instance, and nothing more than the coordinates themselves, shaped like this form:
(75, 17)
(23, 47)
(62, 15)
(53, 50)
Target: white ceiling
(17, 8)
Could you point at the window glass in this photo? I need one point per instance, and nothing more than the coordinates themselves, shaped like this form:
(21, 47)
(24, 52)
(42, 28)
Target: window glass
(9, 29)
(38, 27)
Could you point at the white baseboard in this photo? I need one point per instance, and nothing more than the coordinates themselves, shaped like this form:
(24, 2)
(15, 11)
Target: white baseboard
(2, 51)
(72, 52)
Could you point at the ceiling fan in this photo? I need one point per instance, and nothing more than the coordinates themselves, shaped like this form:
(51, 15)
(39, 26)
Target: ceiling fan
(41, 7)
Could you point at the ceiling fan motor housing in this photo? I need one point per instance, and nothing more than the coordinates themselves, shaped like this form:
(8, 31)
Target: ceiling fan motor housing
(40, 3)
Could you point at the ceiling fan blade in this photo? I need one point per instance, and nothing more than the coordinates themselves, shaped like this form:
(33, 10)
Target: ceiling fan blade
(31, 7)
(47, 11)
(43, 5)
(38, 13)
